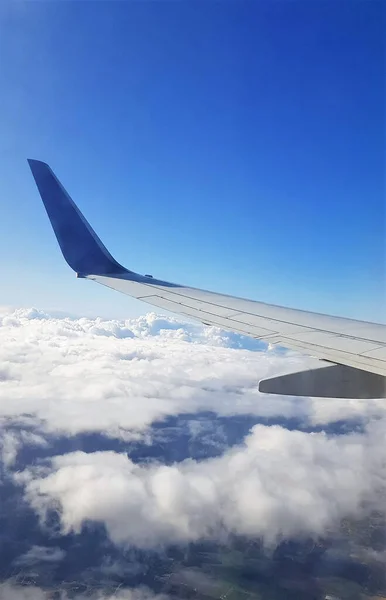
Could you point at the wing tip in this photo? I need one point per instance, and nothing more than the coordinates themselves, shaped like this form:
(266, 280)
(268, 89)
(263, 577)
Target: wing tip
(35, 161)
(81, 247)
(38, 166)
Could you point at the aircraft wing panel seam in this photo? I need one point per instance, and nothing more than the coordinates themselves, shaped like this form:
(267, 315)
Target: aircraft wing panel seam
(381, 347)
(302, 329)
(129, 277)
(207, 316)
(373, 365)
(337, 356)
(271, 318)
(316, 345)
(205, 313)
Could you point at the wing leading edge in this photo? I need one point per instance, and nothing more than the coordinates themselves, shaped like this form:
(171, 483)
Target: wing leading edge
(347, 342)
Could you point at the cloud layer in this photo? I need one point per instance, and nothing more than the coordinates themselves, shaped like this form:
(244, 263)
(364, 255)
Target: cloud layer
(78, 375)
(278, 484)
(66, 377)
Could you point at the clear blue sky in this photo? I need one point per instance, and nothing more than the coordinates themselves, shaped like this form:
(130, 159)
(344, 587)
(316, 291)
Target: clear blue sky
(236, 146)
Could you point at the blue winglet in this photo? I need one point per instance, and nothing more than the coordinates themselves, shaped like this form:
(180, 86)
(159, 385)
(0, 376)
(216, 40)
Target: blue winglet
(80, 245)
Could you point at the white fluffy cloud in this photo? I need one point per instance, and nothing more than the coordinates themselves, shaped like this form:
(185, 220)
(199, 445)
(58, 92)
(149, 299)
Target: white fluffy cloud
(279, 483)
(12, 440)
(77, 375)
(38, 554)
(68, 376)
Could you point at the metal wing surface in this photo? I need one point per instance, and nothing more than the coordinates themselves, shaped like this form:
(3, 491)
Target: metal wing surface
(357, 344)
(344, 341)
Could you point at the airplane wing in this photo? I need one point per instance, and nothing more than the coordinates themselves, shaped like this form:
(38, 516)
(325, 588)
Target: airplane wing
(355, 351)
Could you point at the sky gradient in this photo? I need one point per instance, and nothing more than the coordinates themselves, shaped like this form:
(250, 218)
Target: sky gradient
(235, 146)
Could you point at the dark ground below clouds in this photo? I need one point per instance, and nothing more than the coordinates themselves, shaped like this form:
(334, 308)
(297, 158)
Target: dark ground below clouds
(295, 569)
(198, 436)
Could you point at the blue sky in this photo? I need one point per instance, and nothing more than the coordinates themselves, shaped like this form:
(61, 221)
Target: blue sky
(235, 146)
